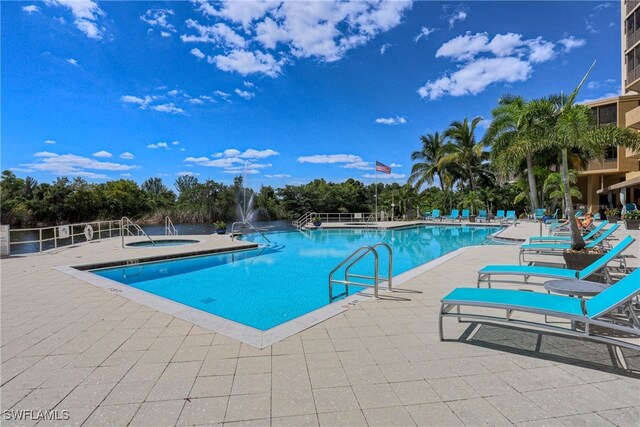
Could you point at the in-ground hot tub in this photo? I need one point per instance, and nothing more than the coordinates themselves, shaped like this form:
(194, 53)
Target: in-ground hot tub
(160, 243)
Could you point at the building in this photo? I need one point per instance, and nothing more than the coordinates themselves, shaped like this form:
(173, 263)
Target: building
(605, 180)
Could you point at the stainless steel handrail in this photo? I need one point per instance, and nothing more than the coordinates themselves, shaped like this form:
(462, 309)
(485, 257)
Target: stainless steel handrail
(125, 223)
(389, 277)
(245, 223)
(169, 228)
(360, 253)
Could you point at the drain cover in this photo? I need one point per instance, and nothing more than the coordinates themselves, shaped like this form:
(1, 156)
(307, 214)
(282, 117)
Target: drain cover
(207, 300)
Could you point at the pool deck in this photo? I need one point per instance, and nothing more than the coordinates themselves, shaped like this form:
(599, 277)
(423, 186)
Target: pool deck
(107, 360)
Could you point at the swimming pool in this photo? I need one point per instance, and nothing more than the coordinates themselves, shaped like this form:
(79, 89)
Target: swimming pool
(267, 286)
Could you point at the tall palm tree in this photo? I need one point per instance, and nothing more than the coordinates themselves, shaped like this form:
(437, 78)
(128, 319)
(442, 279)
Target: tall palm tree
(514, 120)
(573, 128)
(428, 157)
(464, 151)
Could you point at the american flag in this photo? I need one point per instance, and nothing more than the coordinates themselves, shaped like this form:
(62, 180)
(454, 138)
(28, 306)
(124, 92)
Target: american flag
(380, 167)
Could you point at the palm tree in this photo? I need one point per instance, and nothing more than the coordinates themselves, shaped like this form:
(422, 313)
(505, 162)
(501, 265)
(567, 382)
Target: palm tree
(464, 151)
(554, 186)
(427, 169)
(514, 120)
(574, 129)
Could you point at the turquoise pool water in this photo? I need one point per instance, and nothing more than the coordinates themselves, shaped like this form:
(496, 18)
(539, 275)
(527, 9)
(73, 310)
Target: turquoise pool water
(265, 287)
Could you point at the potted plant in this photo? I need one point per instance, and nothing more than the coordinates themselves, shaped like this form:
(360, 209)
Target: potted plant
(632, 220)
(613, 215)
(316, 221)
(221, 227)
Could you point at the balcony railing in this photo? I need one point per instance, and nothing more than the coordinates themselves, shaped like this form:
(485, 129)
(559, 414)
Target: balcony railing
(597, 165)
(631, 4)
(632, 38)
(633, 75)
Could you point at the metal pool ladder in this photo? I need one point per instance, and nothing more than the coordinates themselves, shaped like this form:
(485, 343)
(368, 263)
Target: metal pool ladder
(249, 225)
(352, 260)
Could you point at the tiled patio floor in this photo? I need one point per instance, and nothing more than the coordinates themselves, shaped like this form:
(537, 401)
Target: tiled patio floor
(68, 345)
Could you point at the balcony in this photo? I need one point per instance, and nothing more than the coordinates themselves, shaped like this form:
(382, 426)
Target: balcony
(631, 4)
(600, 165)
(632, 76)
(632, 38)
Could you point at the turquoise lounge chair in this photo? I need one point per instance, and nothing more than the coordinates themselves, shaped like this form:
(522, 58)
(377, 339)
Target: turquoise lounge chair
(500, 215)
(435, 214)
(485, 274)
(555, 248)
(453, 216)
(465, 215)
(426, 215)
(483, 216)
(587, 236)
(539, 213)
(510, 217)
(593, 312)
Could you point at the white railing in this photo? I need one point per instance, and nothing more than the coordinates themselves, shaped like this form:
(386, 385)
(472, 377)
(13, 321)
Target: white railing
(52, 237)
(126, 225)
(169, 229)
(362, 217)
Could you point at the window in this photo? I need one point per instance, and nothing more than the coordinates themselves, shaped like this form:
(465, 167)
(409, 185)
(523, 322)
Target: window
(607, 115)
(611, 153)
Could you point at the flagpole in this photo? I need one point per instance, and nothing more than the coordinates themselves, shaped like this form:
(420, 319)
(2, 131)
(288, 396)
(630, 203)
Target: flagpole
(376, 196)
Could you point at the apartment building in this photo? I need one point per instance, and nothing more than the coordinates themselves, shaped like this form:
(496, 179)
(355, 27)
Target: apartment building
(618, 173)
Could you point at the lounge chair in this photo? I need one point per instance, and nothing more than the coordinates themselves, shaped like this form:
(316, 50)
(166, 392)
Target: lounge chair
(464, 215)
(510, 217)
(486, 273)
(453, 216)
(483, 216)
(601, 311)
(435, 214)
(587, 236)
(500, 215)
(426, 215)
(538, 214)
(557, 248)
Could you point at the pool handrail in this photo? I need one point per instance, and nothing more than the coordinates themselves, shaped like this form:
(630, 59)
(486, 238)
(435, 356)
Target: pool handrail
(250, 226)
(125, 223)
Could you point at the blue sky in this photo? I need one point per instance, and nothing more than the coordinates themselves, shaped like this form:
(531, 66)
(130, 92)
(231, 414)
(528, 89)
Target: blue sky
(287, 92)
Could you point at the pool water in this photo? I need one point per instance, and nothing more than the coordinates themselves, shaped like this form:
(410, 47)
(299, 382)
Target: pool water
(270, 285)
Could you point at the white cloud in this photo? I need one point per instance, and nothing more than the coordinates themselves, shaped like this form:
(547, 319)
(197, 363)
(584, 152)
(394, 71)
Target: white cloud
(244, 94)
(605, 96)
(73, 165)
(175, 143)
(30, 8)
(593, 85)
(173, 92)
(126, 175)
(384, 175)
(49, 141)
(130, 99)
(330, 158)
(362, 165)
(397, 120)
(169, 108)
(395, 165)
(506, 58)
(127, 155)
(458, 14)
(197, 53)
(219, 34)
(222, 94)
(324, 30)
(474, 77)
(86, 14)
(571, 42)
(159, 145)
(278, 175)
(196, 101)
(102, 154)
(248, 84)
(187, 173)
(246, 62)
(159, 18)
(424, 33)
(384, 48)
(72, 61)
(232, 160)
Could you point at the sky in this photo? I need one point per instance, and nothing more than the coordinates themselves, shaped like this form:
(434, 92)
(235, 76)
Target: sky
(280, 92)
